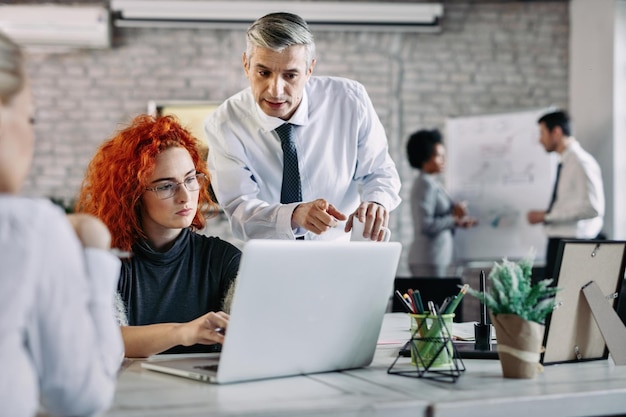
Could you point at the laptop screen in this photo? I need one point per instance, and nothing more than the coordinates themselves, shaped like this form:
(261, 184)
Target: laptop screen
(307, 306)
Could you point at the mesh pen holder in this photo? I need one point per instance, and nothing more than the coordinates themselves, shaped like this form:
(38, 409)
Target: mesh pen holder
(433, 355)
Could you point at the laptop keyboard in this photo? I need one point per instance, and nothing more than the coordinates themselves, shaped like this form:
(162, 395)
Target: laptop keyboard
(207, 367)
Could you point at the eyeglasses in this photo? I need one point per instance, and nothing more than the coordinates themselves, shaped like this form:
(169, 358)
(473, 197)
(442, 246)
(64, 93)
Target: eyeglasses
(169, 189)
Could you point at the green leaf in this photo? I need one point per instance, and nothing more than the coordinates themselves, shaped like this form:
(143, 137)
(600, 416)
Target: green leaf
(511, 291)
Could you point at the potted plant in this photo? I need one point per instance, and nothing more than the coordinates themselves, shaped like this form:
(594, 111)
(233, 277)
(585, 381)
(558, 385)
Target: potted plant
(518, 310)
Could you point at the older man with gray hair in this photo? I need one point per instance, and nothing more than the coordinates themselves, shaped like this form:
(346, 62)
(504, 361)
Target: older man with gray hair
(292, 154)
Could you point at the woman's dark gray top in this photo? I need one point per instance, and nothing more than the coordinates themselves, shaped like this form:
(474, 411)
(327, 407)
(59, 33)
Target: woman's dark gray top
(179, 285)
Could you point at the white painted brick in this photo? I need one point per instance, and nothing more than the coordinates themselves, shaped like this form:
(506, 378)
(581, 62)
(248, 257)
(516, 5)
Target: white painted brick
(490, 57)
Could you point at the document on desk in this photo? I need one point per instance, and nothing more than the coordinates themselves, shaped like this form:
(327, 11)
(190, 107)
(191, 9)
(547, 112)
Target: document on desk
(465, 331)
(398, 330)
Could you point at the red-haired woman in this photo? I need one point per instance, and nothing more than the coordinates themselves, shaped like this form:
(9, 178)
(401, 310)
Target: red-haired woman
(149, 185)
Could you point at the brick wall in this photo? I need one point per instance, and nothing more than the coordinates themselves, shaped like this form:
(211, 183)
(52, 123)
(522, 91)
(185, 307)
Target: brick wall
(490, 57)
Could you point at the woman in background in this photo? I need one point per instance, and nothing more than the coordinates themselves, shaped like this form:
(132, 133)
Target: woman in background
(149, 185)
(59, 341)
(434, 213)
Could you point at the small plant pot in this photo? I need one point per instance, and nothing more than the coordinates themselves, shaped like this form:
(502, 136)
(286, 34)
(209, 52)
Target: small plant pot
(519, 345)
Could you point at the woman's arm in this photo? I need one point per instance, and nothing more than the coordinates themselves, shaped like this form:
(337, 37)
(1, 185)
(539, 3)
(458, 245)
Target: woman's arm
(143, 341)
(228, 299)
(76, 343)
(91, 232)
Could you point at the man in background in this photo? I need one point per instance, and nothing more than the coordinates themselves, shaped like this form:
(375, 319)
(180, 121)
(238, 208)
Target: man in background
(576, 210)
(324, 129)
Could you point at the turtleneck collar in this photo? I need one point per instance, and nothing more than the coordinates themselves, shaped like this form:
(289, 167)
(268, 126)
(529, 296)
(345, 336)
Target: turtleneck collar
(142, 249)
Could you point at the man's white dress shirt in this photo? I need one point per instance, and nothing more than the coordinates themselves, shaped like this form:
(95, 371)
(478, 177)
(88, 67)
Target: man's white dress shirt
(342, 155)
(578, 210)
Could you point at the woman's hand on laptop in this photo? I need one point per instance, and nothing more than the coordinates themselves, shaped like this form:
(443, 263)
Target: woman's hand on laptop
(207, 329)
(143, 341)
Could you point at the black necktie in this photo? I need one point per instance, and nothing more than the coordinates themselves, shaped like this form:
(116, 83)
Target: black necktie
(556, 185)
(290, 191)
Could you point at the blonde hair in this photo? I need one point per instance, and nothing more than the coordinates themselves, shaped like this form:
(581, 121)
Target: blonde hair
(11, 69)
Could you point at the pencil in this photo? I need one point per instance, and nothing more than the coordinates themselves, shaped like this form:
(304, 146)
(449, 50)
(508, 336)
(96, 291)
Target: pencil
(412, 300)
(418, 301)
(404, 303)
(407, 300)
(456, 300)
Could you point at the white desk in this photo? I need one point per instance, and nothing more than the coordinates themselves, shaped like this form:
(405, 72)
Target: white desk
(591, 388)
(144, 393)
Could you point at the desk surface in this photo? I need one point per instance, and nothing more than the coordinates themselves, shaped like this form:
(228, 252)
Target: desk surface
(581, 389)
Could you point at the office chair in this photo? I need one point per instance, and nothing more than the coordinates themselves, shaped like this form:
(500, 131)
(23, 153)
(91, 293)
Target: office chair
(431, 289)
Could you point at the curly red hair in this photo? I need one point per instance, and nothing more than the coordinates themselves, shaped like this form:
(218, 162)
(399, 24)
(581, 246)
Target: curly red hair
(117, 176)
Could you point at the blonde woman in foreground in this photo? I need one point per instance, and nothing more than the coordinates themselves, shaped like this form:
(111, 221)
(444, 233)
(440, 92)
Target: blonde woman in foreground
(61, 346)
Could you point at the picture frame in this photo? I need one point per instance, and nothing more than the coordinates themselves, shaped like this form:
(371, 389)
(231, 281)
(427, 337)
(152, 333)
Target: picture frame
(571, 332)
(191, 115)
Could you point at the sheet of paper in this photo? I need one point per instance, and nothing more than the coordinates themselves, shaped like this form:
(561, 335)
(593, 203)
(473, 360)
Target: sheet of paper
(465, 331)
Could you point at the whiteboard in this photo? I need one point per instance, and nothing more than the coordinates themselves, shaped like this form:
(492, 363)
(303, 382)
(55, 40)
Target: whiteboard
(497, 164)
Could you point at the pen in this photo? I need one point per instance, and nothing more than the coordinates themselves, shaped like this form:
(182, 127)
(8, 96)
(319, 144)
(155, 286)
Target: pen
(435, 333)
(432, 309)
(220, 330)
(404, 303)
(418, 301)
(456, 300)
(445, 303)
(412, 300)
(407, 300)
(434, 328)
(483, 307)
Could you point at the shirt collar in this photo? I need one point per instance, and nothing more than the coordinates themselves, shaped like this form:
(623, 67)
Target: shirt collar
(144, 251)
(299, 118)
(570, 148)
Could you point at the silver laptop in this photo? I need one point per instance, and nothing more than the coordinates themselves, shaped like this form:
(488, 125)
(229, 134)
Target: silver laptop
(300, 307)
